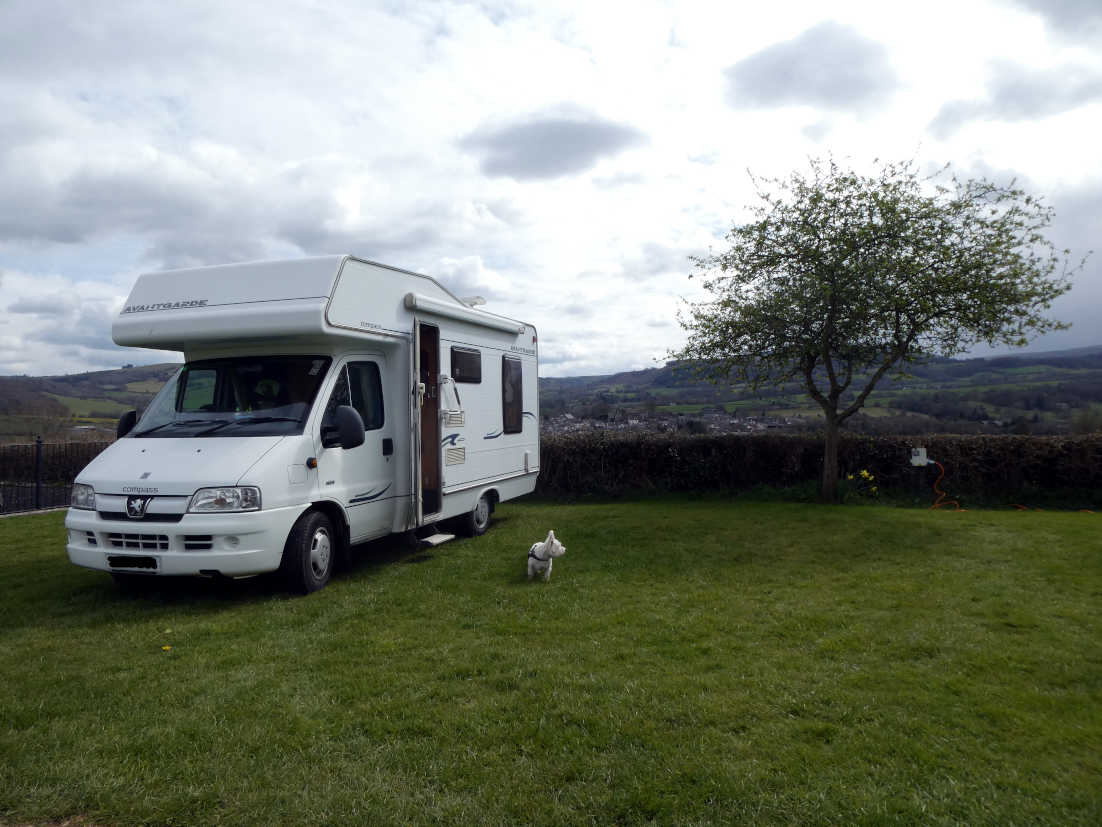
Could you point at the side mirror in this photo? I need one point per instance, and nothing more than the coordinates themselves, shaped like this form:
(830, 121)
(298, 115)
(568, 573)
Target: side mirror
(126, 424)
(349, 427)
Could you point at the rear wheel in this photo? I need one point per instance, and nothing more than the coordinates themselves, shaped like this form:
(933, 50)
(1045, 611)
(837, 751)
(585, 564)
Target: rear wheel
(477, 521)
(309, 554)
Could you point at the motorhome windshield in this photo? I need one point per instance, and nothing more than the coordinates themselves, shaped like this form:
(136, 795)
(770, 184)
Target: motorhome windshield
(241, 396)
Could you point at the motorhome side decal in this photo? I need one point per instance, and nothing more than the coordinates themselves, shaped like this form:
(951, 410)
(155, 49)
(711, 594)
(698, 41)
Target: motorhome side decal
(368, 496)
(496, 434)
(146, 308)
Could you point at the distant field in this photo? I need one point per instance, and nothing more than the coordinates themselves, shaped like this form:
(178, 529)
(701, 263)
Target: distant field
(23, 429)
(85, 407)
(692, 661)
(148, 386)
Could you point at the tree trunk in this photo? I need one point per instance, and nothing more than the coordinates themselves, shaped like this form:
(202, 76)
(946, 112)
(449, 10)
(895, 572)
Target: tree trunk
(830, 463)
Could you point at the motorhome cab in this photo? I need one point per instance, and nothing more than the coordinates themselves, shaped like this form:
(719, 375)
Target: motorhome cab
(322, 402)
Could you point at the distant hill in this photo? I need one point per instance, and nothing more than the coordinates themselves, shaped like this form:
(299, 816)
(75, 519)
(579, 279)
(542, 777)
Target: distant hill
(1048, 355)
(53, 406)
(1053, 392)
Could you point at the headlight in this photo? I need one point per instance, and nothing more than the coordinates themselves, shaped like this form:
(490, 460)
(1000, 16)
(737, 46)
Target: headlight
(239, 498)
(84, 496)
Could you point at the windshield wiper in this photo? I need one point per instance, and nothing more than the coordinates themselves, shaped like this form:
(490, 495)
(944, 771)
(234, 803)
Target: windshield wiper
(176, 422)
(252, 420)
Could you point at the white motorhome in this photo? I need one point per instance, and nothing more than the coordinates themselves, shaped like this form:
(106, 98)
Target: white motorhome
(322, 402)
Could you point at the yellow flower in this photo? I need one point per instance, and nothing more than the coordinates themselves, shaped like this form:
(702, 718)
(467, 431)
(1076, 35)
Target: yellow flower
(166, 648)
(864, 474)
(849, 476)
(873, 489)
(871, 477)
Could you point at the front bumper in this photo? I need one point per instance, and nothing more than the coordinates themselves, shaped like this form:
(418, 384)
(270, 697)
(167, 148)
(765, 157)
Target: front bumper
(234, 545)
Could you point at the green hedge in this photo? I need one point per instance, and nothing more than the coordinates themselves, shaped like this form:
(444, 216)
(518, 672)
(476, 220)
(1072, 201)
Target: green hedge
(1065, 470)
(986, 469)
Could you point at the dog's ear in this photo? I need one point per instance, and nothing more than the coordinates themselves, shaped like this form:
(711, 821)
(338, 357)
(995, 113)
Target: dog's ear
(550, 536)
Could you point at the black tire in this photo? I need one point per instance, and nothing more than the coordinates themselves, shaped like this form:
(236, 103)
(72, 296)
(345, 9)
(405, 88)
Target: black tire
(309, 554)
(477, 521)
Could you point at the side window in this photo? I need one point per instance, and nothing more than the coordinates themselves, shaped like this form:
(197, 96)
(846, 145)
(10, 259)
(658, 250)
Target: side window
(367, 393)
(198, 390)
(512, 396)
(338, 397)
(466, 365)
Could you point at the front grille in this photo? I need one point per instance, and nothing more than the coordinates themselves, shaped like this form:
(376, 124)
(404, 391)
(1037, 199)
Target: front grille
(144, 542)
(148, 518)
(198, 542)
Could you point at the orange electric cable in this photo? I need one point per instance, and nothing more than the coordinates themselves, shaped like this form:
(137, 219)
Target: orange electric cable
(941, 502)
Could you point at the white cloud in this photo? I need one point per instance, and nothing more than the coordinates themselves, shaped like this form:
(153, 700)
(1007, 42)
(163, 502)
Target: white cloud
(53, 325)
(469, 276)
(549, 146)
(1074, 19)
(1017, 94)
(561, 159)
(829, 65)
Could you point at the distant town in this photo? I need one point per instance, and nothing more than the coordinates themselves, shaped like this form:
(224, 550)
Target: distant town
(704, 421)
(1057, 392)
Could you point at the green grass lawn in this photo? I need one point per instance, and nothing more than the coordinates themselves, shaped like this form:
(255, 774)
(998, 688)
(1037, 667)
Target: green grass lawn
(693, 660)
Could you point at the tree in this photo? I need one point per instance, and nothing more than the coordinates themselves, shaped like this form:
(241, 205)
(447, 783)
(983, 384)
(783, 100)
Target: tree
(840, 278)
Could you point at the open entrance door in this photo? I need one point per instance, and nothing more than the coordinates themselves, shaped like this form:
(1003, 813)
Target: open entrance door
(428, 373)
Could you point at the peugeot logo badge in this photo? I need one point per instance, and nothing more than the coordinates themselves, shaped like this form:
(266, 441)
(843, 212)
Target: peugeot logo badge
(135, 507)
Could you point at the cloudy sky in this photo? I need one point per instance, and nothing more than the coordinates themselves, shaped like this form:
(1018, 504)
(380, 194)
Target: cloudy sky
(561, 159)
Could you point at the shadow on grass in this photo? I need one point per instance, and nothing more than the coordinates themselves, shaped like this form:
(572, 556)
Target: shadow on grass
(367, 557)
(67, 596)
(362, 559)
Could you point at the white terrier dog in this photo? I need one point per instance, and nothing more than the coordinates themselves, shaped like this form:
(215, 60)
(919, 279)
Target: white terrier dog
(539, 556)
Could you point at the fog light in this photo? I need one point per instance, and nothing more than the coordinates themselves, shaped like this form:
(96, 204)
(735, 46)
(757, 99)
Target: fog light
(232, 542)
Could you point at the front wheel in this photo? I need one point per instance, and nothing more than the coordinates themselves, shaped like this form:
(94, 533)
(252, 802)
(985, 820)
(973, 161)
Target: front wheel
(477, 521)
(309, 553)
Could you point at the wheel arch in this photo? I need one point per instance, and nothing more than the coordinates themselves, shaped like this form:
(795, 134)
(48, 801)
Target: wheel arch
(336, 516)
(492, 496)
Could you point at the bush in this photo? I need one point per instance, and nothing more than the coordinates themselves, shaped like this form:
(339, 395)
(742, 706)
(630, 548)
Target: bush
(984, 468)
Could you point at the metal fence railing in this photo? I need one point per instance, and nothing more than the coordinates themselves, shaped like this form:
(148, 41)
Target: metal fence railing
(40, 474)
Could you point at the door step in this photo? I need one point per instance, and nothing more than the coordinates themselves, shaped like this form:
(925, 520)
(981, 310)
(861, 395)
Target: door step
(435, 540)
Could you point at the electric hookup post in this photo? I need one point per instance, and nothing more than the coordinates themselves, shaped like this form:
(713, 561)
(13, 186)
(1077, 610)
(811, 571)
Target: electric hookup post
(920, 460)
(38, 472)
